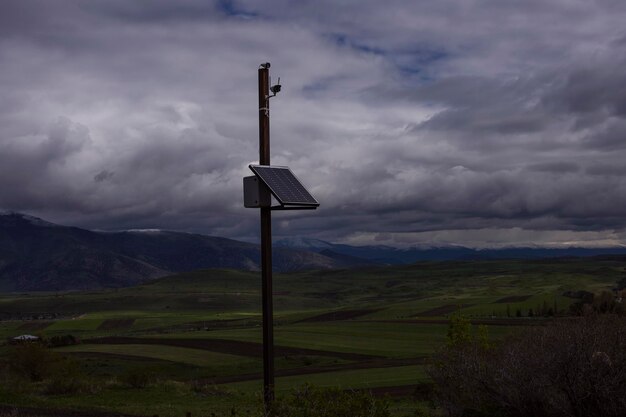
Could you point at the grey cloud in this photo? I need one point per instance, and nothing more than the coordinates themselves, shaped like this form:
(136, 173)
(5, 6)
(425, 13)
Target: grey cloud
(402, 117)
(499, 121)
(103, 176)
(592, 89)
(609, 136)
(556, 166)
(604, 169)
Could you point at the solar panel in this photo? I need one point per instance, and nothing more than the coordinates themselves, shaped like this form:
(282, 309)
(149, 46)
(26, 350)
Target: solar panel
(285, 187)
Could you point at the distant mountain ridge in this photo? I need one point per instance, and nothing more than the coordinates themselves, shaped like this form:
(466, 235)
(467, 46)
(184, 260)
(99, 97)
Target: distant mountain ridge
(39, 255)
(387, 255)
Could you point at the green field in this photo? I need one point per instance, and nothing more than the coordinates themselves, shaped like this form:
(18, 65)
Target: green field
(166, 353)
(362, 378)
(354, 329)
(393, 340)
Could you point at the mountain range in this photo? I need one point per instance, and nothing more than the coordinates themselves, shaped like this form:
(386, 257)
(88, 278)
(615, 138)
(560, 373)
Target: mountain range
(36, 255)
(39, 255)
(388, 255)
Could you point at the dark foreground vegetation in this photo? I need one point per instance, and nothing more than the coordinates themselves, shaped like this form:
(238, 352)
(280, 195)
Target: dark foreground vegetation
(32, 368)
(572, 367)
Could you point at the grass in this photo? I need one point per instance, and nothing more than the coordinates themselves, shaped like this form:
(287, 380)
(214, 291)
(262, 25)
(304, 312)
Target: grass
(355, 379)
(169, 399)
(394, 340)
(379, 339)
(166, 353)
(227, 304)
(74, 325)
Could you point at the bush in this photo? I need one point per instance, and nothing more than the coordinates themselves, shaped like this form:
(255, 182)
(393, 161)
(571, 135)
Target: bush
(64, 340)
(571, 368)
(59, 385)
(209, 389)
(67, 378)
(308, 401)
(32, 361)
(138, 377)
(603, 303)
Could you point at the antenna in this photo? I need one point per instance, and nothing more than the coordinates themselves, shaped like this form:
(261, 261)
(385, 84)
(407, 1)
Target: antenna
(275, 89)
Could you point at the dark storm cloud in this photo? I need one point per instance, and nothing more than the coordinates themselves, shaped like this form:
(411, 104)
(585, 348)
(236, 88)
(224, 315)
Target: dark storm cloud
(597, 88)
(103, 176)
(556, 167)
(481, 123)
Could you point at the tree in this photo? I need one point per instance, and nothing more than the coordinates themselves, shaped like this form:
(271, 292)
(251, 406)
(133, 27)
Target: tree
(32, 360)
(569, 368)
(459, 330)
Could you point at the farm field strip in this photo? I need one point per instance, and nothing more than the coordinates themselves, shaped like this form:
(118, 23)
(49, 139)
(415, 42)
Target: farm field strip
(339, 315)
(495, 322)
(79, 324)
(308, 370)
(34, 326)
(379, 339)
(168, 353)
(235, 347)
(532, 302)
(353, 379)
(116, 324)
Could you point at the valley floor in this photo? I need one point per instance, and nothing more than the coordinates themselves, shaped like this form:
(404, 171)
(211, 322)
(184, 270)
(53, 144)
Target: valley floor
(192, 342)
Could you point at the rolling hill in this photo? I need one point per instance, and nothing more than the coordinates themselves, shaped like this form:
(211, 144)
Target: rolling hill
(388, 255)
(37, 255)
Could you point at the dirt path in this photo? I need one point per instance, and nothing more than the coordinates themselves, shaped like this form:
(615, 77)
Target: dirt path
(232, 347)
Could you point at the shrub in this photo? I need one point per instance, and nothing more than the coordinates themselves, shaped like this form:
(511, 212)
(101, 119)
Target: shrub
(9, 413)
(59, 385)
(138, 377)
(208, 388)
(459, 331)
(570, 368)
(67, 378)
(32, 361)
(64, 340)
(603, 303)
(308, 401)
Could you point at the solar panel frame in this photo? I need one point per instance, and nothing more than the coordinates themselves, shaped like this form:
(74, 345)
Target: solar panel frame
(277, 188)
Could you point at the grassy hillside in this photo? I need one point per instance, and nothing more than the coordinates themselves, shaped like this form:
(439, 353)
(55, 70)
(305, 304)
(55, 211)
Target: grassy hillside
(365, 328)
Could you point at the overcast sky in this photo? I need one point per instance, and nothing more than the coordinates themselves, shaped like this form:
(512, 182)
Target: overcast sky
(479, 123)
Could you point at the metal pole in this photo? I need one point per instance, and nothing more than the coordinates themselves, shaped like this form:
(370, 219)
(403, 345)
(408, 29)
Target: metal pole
(266, 244)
